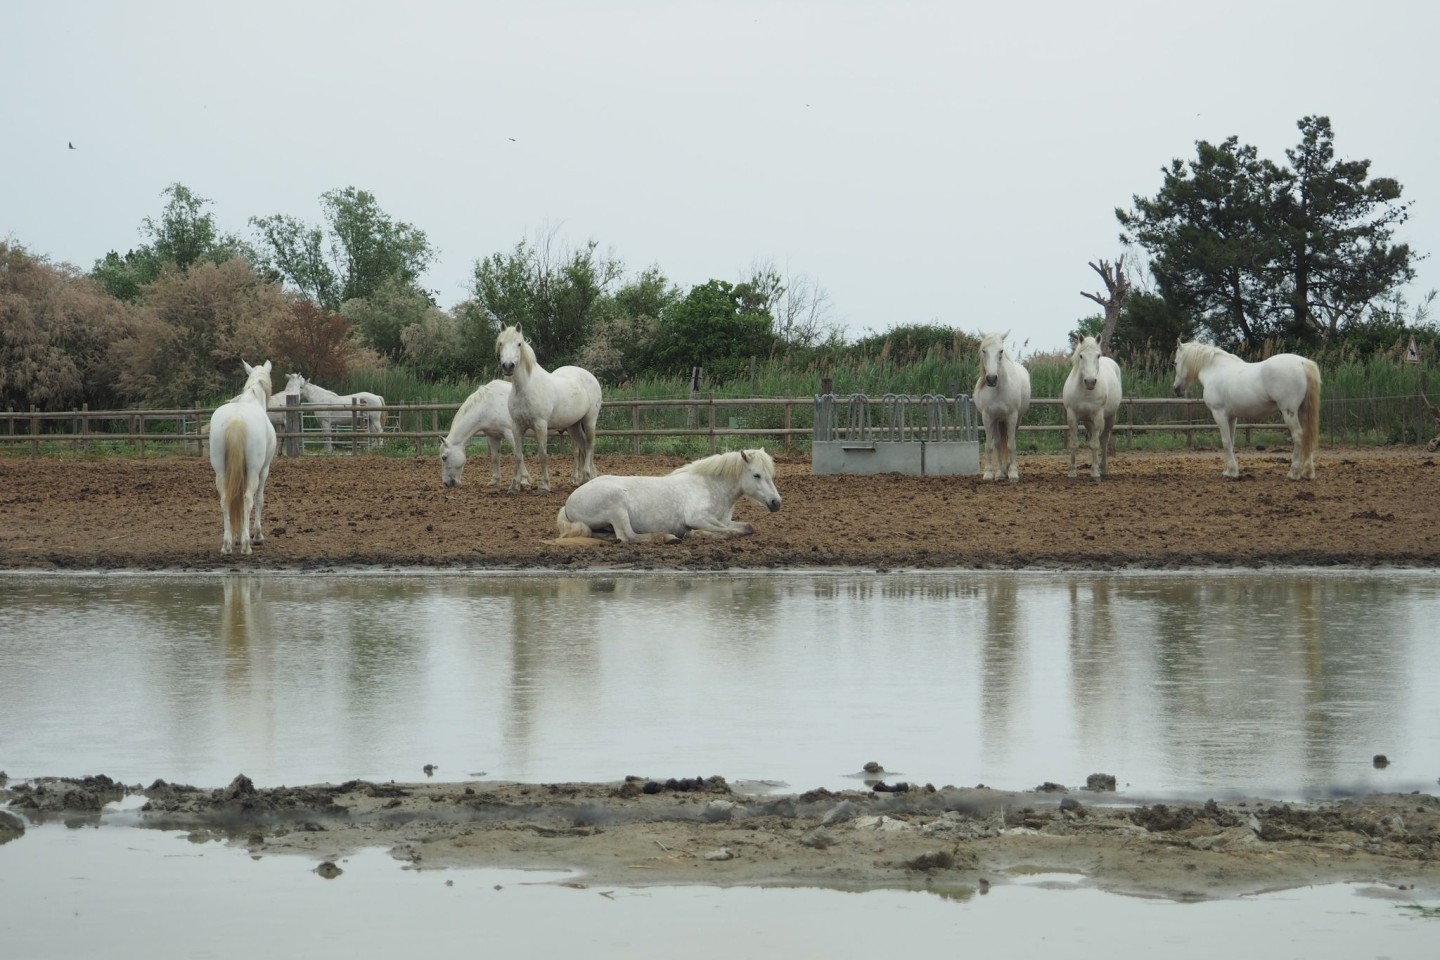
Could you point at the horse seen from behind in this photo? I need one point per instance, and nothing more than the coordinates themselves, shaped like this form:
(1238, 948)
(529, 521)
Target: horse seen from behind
(1002, 395)
(1234, 387)
(242, 448)
(541, 401)
(1091, 397)
(701, 496)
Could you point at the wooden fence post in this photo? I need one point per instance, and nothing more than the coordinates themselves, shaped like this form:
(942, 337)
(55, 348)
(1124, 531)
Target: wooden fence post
(635, 421)
(294, 424)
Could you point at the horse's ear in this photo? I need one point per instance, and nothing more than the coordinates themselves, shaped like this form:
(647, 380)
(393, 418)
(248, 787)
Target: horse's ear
(745, 455)
(248, 369)
(266, 367)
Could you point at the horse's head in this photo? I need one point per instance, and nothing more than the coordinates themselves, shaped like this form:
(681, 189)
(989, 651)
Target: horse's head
(452, 462)
(992, 357)
(1184, 367)
(511, 347)
(296, 384)
(757, 479)
(1086, 360)
(257, 380)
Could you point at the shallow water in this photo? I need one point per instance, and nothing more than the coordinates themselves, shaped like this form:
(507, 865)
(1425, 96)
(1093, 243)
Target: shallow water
(1193, 684)
(73, 894)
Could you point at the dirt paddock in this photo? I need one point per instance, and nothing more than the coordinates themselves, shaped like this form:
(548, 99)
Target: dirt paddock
(1365, 508)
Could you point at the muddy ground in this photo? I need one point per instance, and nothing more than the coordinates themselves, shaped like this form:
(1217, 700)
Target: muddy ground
(1366, 507)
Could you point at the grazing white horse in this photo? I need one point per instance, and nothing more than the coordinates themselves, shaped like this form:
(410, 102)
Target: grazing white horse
(698, 496)
(1235, 388)
(1092, 397)
(486, 411)
(1002, 395)
(541, 401)
(373, 417)
(242, 447)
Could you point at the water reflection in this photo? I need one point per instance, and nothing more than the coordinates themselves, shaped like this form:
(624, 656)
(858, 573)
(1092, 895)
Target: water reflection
(1198, 684)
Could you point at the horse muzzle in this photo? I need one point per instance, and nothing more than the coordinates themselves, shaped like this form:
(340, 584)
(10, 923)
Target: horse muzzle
(451, 482)
(991, 379)
(774, 504)
(1089, 383)
(507, 368)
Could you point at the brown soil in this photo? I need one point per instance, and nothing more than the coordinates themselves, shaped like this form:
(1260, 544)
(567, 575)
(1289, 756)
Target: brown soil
(1366, 507)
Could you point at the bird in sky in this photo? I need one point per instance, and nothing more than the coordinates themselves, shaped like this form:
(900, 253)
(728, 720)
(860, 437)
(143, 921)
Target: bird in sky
(72, 144)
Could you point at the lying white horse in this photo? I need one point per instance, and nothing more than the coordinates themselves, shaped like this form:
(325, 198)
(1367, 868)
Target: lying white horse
(1091, 396)
(486, 411)
(698, 496)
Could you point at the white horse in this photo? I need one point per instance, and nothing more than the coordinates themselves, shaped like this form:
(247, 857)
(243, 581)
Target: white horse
(1092, 397)
(542, 400)
(1002, 395)
(242, 447)
(486, 411)
(372, 416)
(1235, 388)
(698, 496)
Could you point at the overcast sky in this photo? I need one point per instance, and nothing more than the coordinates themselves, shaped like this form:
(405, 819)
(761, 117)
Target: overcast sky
(920, 162)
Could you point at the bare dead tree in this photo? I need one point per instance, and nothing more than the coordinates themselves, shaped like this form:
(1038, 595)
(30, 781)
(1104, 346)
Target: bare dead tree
(1117, 288)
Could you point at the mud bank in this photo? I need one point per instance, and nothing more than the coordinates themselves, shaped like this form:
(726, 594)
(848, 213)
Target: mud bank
(643, 832)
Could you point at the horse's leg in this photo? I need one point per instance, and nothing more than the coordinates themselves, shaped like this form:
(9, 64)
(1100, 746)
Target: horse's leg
(1227, 441)
(1012, 443)
(227, 537)
(988, 451)
(1096, 431)
(1107, 432)
(1297, 445)
(518, 445)
(542, 437)
(259, 535)
(1072, 437)
(245, 516)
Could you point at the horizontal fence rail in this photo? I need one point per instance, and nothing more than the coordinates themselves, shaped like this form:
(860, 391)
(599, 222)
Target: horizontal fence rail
(635, 425)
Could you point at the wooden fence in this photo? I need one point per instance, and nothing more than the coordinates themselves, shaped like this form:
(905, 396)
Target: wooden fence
(634, 425)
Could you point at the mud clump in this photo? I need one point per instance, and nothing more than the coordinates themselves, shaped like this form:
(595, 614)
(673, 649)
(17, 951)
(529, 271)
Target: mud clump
(1100, 782)
(67, 795)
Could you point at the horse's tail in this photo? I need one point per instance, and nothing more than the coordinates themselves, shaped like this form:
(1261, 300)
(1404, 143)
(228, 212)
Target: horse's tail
(568, 527)
(1310, 413)
(235, 474)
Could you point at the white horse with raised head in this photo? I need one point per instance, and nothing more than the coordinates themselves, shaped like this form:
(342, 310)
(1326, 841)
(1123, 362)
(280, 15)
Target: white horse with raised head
(372, 415)
(698, 496)
(1235, 388)
(242, 447)
(1002, 395)
(486, 411)
(1091, 397)
(542, 401)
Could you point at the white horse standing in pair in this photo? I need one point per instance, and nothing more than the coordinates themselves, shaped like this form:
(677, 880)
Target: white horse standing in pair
(1235, 388)
(1091, 396)
(242, 447)
(1002, 395)
(371, 415)
(698, 496)
(486, 411)
(541, 400)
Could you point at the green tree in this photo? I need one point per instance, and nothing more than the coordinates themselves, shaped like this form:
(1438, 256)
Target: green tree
(359, 251)
(381, 317)
(184, 235)
(548, 291)
(1250, 250)
(718, 326)
(621, 340)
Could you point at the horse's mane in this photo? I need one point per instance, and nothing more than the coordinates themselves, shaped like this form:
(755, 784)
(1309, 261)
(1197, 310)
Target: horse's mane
(513, 335)
(258, 377)
(472, 401)
(994, 336)
(1195, 355)
(728, 465)
(1075, 354)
